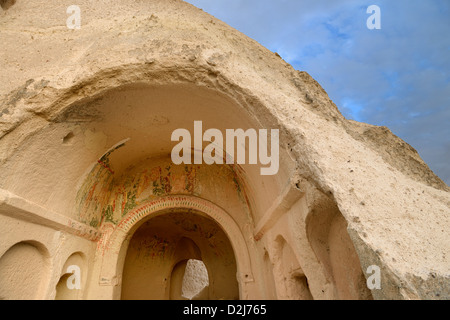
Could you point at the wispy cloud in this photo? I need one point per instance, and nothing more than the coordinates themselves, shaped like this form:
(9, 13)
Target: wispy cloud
(397, 76)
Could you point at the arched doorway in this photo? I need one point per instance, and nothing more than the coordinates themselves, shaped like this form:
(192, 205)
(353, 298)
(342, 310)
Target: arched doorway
(69, 274)
(202, 216)
(160, 249)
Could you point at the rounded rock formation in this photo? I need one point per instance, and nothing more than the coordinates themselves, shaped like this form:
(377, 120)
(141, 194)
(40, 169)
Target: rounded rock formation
(86, 117)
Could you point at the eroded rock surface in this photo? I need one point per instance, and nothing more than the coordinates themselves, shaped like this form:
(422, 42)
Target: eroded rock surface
(85, 122)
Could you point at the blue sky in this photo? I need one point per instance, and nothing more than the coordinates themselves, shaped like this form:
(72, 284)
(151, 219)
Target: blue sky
(397, 76)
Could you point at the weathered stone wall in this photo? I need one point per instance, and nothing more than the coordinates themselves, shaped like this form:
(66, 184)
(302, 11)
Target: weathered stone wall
(84, 113)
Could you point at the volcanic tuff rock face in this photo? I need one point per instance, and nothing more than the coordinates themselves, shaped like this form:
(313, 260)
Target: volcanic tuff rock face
(68, 96)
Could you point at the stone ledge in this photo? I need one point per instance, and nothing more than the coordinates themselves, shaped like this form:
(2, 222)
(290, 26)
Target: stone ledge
(20, 208)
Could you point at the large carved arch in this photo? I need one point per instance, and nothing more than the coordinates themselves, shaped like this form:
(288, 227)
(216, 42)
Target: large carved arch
(112, 246)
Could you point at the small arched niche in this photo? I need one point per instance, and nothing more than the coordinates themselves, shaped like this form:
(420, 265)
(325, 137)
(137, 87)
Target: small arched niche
(327, 233)
(269, 281)
(168, 255)
(70, 284)
(24, 271)
(291, 282)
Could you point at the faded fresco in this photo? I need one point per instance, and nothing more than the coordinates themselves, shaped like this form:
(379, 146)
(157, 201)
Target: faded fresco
(106, 197)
